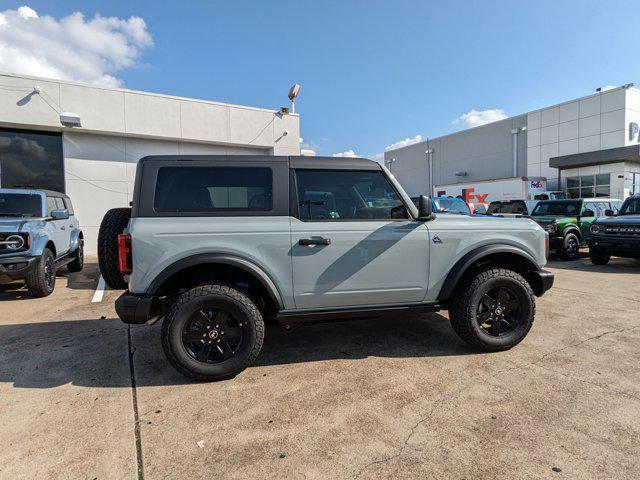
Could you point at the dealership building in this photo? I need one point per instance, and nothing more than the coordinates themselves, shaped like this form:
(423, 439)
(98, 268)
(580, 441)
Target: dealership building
(86, 140)
(585, 147)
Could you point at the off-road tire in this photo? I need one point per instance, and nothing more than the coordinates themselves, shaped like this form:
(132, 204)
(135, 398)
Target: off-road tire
(78, 258)
(37, 283)
(113, 224)
(598, 257)
(207, 295)
(567, 252)
(464, 305)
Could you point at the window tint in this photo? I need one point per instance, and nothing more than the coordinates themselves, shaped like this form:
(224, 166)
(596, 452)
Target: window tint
(507, 207)
(213, 189)
(347, 195)
(51, 205)
(18, 205)
(68, 205)
(31, 159)
(552, 207)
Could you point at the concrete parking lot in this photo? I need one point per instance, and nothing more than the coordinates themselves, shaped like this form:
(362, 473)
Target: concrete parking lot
(84, 396)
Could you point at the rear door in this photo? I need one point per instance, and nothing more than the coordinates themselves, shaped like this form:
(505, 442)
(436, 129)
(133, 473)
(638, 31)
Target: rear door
(352, 241)
(55, 228)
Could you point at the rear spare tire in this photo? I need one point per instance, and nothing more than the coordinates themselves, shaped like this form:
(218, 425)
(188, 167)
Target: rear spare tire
(113, 224)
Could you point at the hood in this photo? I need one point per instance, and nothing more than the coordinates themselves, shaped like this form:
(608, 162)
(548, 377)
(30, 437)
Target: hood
(11, 224)
(621, 220)
(547, 219)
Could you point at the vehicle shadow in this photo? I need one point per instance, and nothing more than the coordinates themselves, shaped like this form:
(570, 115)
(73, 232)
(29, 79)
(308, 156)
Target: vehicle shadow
(87, 279)
(615, 265)
(96, 353)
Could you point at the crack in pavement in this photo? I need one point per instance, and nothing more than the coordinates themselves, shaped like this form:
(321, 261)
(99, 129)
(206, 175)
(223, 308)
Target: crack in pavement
(136, 416)
(484, 380)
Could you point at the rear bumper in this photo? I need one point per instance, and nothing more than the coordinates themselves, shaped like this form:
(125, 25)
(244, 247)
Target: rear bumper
(541, 281)
(133, 308)
(16, 268)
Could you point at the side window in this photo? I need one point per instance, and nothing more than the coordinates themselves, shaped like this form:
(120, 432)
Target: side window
(213, 189)
(60, 203)
(68, 205)
(51, 205)
(347, 195)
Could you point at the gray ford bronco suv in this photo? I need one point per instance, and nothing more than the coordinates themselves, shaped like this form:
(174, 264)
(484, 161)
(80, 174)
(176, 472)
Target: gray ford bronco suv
(39, 234)
(216, 245)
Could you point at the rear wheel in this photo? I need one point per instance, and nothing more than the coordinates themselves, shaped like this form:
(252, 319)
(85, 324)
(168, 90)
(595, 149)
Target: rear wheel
(113, 224)
(493, 309)
(78, 258)
(570, 247)
(212, 332)
(599, 257)
(42, 279)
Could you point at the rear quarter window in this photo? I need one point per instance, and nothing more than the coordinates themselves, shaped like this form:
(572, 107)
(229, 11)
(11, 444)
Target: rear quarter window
(213, 189)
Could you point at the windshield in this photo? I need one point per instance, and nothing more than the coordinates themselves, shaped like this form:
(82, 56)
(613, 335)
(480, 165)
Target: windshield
(631, 207)
(451, 205)
(507, 207)
(565, 209)
(20, 205)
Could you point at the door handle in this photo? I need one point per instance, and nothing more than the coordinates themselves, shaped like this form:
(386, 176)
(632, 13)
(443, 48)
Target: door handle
(314, 241)
(63, 228)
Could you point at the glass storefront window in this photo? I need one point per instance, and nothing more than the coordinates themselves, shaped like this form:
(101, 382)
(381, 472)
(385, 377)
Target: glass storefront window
(31, 159)
(587, 186)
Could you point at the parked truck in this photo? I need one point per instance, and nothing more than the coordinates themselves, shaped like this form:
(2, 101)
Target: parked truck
(487, 191)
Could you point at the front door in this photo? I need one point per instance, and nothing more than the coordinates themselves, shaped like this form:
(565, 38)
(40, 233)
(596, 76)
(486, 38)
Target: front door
(353, 243)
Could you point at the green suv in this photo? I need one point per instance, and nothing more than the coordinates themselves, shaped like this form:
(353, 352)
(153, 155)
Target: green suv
(567, 221)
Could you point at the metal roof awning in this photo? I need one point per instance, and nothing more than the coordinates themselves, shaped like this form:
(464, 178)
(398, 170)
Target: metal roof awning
(599, 157)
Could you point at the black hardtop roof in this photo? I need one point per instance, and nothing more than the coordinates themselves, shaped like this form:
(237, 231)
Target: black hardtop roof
(300, 162)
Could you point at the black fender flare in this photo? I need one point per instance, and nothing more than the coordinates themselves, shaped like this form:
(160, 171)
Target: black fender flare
(219, 259)
(572, 229)
(472, 257)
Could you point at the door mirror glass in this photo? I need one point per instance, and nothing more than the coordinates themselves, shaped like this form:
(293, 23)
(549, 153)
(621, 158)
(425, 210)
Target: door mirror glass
(608, 213)
(588, 213)
(425, 211)
(60, 214)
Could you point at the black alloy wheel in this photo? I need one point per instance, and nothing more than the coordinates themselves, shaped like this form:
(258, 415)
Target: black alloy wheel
(571, 246)
(212, 335)
(49, 272)
(498, 312)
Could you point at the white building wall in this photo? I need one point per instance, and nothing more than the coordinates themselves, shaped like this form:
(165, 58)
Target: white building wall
(121, 126)
(592, 123)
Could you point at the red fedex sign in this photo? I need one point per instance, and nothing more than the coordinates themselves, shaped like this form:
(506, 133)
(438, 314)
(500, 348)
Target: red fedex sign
(470, 196)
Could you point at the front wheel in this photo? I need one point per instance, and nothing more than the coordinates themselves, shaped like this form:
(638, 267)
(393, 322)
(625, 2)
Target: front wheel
(599, 257)
(493, 309)
(212, 332)
(570, 247)
(42, 279)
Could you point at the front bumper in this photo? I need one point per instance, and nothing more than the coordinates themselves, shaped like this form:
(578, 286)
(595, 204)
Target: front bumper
(16, 268)
(620, 246)
(134, 308)
(541, 281)
(555, 242)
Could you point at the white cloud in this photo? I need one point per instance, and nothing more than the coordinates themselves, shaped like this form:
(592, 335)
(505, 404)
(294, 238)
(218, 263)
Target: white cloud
(475, 118)
(71, 48)
(346, 154)
(403, 143)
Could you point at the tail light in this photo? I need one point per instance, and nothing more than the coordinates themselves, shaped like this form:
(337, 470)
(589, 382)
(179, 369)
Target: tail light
(125, 261)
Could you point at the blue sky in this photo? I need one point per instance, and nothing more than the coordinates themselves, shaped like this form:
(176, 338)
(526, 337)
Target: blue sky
(374, 73)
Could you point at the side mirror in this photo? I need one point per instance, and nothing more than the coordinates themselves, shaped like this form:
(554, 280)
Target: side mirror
(588, 213)
(425, 212)
(608, 213)
(60, 214)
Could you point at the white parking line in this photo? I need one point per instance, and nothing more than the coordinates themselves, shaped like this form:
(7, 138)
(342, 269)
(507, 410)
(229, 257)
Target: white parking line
(97, 296)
